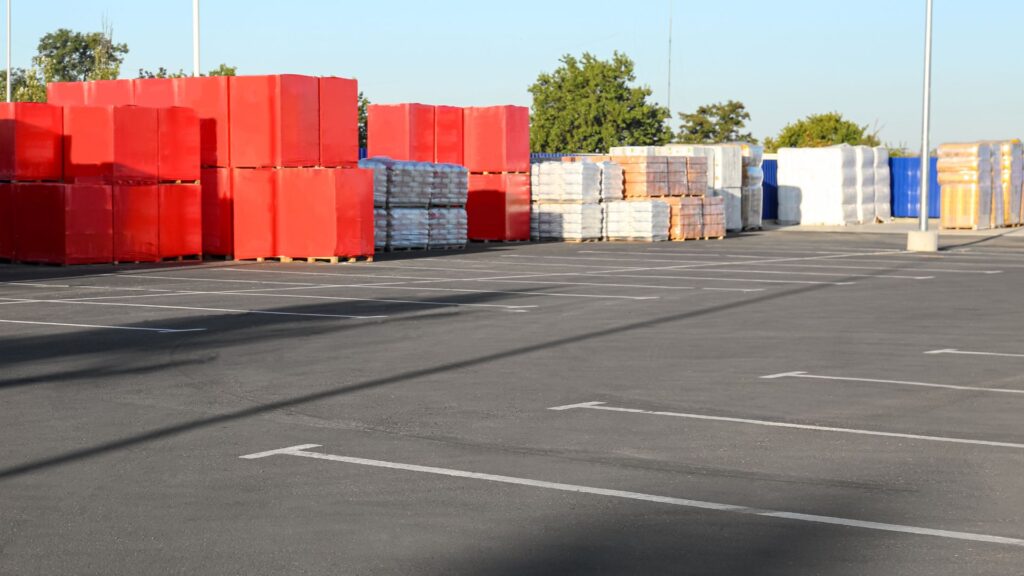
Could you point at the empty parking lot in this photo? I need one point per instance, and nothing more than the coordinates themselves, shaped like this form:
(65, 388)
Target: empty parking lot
(777, 403)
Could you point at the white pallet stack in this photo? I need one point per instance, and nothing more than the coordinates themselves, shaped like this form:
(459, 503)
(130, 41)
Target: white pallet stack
(447, 228)
(866, 210)
(818, 186)
(883, 185)
(566, 200)
(637, 220)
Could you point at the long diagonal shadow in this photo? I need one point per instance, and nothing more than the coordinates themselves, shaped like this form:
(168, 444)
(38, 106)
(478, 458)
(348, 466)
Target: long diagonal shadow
(170, 431)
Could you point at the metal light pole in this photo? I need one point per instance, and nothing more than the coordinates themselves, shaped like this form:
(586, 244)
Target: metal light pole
(670, 11)
(925, 240)
(9, 81)
(195, 37)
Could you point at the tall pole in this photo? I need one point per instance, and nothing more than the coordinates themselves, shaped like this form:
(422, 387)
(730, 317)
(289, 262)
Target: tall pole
(9, 80)
(670, 59)
(195, 38)
(926, 160)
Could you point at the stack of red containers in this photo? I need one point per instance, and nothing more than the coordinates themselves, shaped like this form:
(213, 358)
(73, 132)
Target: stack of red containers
(497, 155)
(493, 143)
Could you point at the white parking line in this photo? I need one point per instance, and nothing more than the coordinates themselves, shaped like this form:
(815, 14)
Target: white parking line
(304, 452)
(807, 376)
(132, 328)
(964, 353)
(601, 406)
(199, 309)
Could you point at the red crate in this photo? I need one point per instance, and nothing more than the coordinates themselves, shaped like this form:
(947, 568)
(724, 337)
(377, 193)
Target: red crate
(31, 145)
(401, 132)
(497, 139)
(449, 135)
(218, 212)
(178, 144)
(154, 92)
(339, 122)
(209, 97)
(63, 223)
(254, 210)
(65, 93)
(137, 223)
(275, 121)
(109, 93)
(305, 224)
(111, 145)
(499, 207)
(7, 221)
(181, 220)
(353, 190)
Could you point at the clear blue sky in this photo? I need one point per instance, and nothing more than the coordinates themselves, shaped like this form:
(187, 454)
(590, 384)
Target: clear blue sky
(783, 58)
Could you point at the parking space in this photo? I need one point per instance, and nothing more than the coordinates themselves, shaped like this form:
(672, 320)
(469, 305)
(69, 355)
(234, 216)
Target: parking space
(776, 403)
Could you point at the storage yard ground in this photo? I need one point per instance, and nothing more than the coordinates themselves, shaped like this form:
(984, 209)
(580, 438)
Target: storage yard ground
(779, 403)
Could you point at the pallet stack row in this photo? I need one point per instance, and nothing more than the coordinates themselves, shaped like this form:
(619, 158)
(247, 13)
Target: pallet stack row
(567, 200)
(99, 184)
(966, 174)
(278, 156)
(492, 143)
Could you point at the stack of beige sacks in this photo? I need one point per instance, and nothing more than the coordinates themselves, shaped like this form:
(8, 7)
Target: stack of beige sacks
(982, 185)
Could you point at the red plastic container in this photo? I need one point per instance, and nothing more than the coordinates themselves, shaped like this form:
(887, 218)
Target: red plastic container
(254, 211)
(353, 192)
(339, 122)
(7, 221)
(305, 223)
(181, 220)
(497, 139)
(63, 223)
(275, 121)
(209, 97)
(218, 212)
(401, 132)
(109, 93)
(111, 145)
(31, 144)
(154, 92)
(449, 135)
(178, 144)
(499, 207)
(137, 223)
(65, 93)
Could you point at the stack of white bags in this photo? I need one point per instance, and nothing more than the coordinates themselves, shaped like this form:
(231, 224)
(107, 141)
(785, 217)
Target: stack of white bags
(638, 220)
(448, 227)
(833, 186)
(566, 200)
(408, 228)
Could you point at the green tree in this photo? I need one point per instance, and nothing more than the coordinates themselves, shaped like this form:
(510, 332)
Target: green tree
(821, 130)
(68, 56)
(590, 105)
(161, 72)
(364, 102)
(224, 70)
(715, 124)
(27, 85)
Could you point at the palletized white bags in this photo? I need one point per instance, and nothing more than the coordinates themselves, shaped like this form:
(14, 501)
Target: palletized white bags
(554, 182)
(448, 227)
(566, 222)
(865, 158)
(380, 228)
(883, 185)
(409, 228)
(818, 186)
(450, 186)
(613, 183)
(641, 220)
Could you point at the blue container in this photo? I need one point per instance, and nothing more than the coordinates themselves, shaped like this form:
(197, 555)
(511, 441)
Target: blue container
(770, 208)
(906, 188)
(546, 157)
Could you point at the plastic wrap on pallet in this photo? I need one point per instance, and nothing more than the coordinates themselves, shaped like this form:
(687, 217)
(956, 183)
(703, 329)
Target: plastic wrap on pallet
(450, 187)
(555, 182)
(409, 228)
(966, 172)
(635, 151)
(640, 220)
(448, 227)
(714, 216)
(381, 178)
(410, 184)
(31, 144)
(566, 221)
(883, 185)
(687, 218)
(612, 182)
(865, 161)
(1011, 175)
(818, 186)
(752, 206)
(381, 225)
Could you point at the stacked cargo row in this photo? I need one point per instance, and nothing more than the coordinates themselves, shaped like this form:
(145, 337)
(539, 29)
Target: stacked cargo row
(278, 156)
(492, 143)
(100, 184)
(982, 185)
(835, 186)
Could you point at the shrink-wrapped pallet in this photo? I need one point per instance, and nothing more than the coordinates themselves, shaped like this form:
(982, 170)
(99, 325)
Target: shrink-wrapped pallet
(697, 175)
(965, 173)
(447, 227)
(644, 176)
(752, 194)
(818, 186)
(687, 218)
(554, 182)
(1012, 176)
(380, 228)
(714, 217)
(612, 181)
(408, 228)
(574, 222)
(638, 220)
(883, 185)
(450, 186)
(865, 184)
(381, 178)
(998, 218)
(411, 184)
(634, 151)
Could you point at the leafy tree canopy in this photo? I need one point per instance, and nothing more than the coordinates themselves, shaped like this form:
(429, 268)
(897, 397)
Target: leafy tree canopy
(715, 124)
(68, 56)
(589, 105)
(364, 102)
(821, 130)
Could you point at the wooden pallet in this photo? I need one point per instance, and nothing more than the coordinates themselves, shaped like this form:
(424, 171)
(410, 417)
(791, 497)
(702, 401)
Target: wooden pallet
(189, 258)
(446, 248)
(355, 259)
(306, 259)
